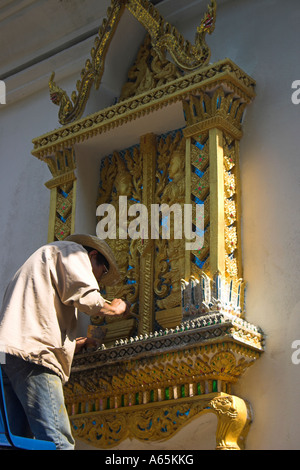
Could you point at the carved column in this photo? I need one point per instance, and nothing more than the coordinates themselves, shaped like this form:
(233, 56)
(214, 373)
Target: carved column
(213, 133)
(146, 296)
(63, 194)
(217, 216)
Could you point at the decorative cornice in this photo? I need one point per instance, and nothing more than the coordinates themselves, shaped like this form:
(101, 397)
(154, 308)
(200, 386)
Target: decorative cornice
(204, 330)
(150, 386)
(224, 73)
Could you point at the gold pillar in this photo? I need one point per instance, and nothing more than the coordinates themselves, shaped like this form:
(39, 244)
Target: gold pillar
(188, 200)
(146, 296)
(216, 180)
(63, 195)
(214, 124)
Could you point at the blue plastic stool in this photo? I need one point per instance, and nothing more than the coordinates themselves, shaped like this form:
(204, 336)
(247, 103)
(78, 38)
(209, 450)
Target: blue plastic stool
(9, 440)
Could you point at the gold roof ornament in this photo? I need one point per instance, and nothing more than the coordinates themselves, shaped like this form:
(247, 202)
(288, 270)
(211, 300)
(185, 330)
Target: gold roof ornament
(164, 37)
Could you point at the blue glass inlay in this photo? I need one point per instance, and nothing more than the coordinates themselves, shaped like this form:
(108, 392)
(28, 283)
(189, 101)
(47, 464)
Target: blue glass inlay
(199, 145)
(65, 195)
(199, 263)
(198, 201)
(62, 219)
(198, 172)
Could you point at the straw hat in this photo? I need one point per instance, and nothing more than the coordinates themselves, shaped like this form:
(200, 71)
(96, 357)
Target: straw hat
(113, 275)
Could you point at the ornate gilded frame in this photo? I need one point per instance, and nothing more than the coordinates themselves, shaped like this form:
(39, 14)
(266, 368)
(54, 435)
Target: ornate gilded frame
(148, 385)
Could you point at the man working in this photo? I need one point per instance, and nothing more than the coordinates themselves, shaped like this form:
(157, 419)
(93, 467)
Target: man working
(38, 323)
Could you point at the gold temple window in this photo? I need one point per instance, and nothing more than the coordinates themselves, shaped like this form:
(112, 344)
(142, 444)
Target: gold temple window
(172, 137)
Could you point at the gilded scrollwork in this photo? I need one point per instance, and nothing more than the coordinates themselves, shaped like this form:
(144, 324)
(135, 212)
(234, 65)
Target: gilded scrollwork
(194, 371)
(147, 395)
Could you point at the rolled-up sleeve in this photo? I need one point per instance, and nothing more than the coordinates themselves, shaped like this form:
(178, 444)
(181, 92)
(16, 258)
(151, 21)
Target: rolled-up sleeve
(75, 282)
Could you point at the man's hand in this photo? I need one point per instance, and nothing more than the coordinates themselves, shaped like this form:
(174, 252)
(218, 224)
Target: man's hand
(116, 307)
(84, 343)
(121, 307)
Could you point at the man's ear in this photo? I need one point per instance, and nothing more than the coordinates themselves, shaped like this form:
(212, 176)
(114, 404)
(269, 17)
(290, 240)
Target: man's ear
(92, 253)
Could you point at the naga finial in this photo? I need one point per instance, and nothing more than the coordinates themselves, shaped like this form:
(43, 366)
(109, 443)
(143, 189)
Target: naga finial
(59, 97)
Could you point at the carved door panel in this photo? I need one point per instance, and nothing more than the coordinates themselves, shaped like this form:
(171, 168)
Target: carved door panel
(152, 264)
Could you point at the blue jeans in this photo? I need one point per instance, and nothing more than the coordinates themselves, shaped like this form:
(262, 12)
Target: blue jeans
(35, 403)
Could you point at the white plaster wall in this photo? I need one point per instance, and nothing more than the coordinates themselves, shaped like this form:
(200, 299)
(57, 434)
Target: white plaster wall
(262, 37)
(24, 200)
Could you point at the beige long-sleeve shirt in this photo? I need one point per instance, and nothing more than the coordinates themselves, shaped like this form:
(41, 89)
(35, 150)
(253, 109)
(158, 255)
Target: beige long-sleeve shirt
(38, 319)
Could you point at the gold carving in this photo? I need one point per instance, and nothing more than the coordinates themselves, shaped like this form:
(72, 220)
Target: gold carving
(212, 368)
(225, 72)
(218, 113)
(188, 343)
(72, 109)
(148, 152)
(63, 194)
(165, 36)
(220, 109)
(149, 71)
(142, 395)
(152, 172)
(235, 418)
(158, 422)
(231, 207)
(121, 175)
(170, 191)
